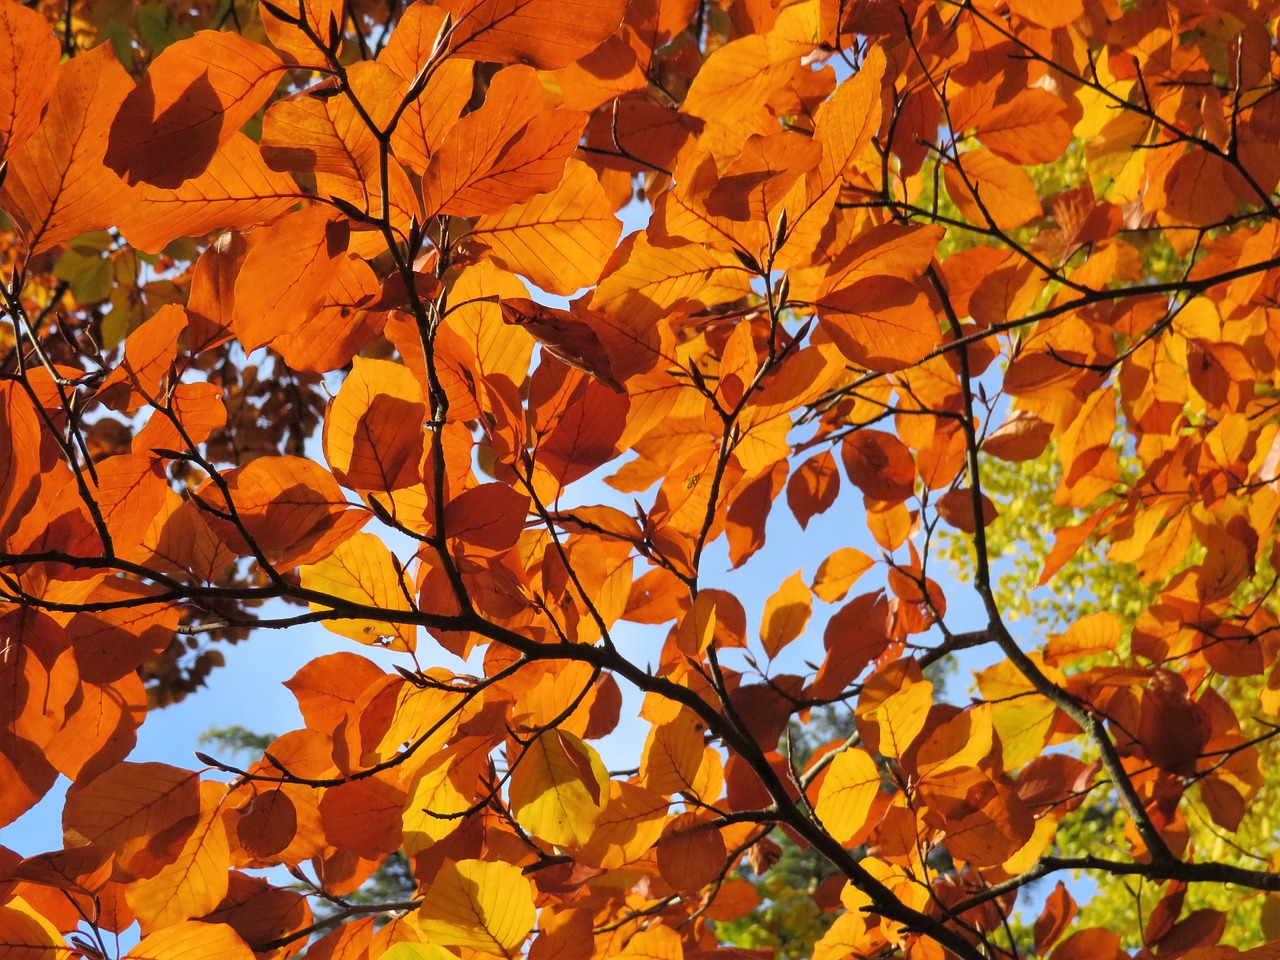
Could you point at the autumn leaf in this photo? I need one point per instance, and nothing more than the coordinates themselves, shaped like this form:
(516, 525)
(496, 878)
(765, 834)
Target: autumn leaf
(559, 240)
(55, 185)
(508, 151)
(197, 94)
(30, 54)
(543, 33)
(848, 789)
(559, 789)
(485, 906)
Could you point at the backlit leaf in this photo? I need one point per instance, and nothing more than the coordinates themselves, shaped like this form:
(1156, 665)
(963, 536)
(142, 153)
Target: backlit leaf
(559, 789)
(548, 34)
(197, 94)
(29, 54)
(361, 571)
(847, 792)
(55, 185)
(559, 240)
(485, 906)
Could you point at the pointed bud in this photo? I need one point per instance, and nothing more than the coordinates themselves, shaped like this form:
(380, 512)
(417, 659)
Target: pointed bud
(747, 260)
(279, 13)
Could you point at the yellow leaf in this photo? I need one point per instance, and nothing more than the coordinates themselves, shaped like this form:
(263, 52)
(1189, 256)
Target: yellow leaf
(485, 906)
(839, 572)
(844, 937)
(25, 935)
(1093, 633)
(361, 571)
(559, 788)
(445, 786)
(1022, 718)
(655, 943)
(559, 240)
(195, 883)
(672, 755)
(408, 950)
(893, 707)
(192, 940)
(958, 744)
(786, 613)
(847, 792)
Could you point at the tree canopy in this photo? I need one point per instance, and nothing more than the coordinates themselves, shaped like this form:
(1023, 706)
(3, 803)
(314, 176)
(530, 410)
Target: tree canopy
(320, 312)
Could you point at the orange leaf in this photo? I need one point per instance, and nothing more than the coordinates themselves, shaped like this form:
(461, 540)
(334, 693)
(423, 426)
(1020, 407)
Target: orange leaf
(292, 508)
(508, 151)
(267, 824)
(735, 80)
(559, 240)
(1049, 13)
(1031, 128)
(196, 881)
(198, 407)
(992, 191)
(373, 429)
(880, 323)
(286, 270)
(325, 18)
(956, 507)
(139, 810)
(544, 33)
(29, 52)
(341, 325)
(236, 191)
(198, 93)
(101, 731)
(55, 185)
(566, 336)
(363, 816)
(673, 753)
(1059, 911)
(691, 853)
(425, 121)
(19, 468)
(879, 464)
(489, 516)
(1023, 436)
(838, 572)
(131, 490)
(644, 283)
(813, 488)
